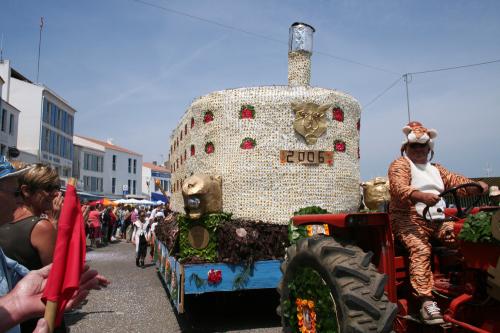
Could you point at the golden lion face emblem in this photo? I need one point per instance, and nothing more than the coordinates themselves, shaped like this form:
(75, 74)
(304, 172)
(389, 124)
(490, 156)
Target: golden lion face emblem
(202, 194)
(310, 120)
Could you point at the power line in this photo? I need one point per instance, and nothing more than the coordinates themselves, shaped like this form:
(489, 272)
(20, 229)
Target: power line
(454, 67)
(230, 27)
(383, 92)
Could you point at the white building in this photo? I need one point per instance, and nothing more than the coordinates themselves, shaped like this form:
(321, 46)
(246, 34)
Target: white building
(9, 119)
(88, 165)
(112, 170)
(152, 172)
(46, 120)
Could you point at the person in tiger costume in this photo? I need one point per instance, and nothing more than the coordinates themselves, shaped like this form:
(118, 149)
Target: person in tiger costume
(415, 183)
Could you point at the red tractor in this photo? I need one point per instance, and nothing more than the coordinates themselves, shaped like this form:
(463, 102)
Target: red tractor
(348, 274)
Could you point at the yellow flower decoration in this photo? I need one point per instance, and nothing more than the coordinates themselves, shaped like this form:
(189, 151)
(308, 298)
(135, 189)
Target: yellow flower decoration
(306, 315)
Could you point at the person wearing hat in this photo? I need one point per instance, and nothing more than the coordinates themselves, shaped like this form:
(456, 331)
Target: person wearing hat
(20, 289)
(494, 196)
(414, 184)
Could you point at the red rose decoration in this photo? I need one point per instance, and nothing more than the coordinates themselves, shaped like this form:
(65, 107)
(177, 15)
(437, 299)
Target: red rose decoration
(339, 146)
(208, 117)
(209, 148)
(247, 112)
(192, 122)
(214, 276)
(192, 150)
(358, 124)
(338, 114)
(248, 143)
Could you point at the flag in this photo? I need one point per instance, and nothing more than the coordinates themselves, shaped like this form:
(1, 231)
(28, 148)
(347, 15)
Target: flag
(69, 255)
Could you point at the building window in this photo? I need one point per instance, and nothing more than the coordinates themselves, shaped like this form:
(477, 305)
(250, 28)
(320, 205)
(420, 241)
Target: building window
(4, 119)
(114, 164)
(129, 186)
(45, 116)
(134, 186)
(113, 185)
(11, 124)
(93, 162)
(3, 149)
(135, 167)
(129, 166)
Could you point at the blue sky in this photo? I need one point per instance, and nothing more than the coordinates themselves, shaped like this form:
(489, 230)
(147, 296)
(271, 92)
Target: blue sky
(131, 69)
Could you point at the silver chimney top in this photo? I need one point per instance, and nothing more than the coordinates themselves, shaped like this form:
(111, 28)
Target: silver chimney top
(300, 37)
(300, 46)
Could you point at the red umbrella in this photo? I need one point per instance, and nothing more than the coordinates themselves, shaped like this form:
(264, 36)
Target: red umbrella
(69, 258)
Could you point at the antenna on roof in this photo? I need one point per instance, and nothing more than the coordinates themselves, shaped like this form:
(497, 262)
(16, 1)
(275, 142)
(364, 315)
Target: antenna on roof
(39, 47)
(1, 48)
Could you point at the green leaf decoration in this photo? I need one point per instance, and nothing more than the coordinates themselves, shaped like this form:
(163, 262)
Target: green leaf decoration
(477, 229)
(308, 284)
(297, 232)
(209, 222)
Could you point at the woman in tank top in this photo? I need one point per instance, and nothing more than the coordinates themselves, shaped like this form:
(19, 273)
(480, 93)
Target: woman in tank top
(30, 238)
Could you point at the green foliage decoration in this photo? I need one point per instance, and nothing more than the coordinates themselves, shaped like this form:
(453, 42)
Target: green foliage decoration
(308, 284)
(210, 222)
(297, 232)
(477, 229)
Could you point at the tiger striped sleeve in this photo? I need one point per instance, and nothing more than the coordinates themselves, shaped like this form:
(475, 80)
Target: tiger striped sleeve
(400, 182)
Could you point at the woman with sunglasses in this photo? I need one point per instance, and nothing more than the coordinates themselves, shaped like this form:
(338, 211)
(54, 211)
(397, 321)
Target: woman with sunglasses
(414, 184)
(30, 238)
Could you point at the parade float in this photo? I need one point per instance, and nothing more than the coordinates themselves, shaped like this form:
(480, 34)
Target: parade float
(266, 194)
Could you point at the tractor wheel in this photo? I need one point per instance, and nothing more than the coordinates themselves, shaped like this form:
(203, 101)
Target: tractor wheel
(330, 287)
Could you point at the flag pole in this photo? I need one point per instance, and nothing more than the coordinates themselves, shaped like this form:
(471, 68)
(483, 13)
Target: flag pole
(51, 307)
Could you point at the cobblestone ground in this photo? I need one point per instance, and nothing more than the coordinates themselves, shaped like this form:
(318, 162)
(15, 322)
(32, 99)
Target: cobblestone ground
(137, 302)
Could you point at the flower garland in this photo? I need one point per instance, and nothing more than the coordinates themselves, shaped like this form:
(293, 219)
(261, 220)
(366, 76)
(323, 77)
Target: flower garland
(306, 315)
(310, 307)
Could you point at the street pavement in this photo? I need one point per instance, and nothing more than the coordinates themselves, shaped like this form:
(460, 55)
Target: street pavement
(136, 301)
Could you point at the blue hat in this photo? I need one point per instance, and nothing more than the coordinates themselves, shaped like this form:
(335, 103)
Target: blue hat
(7, 170)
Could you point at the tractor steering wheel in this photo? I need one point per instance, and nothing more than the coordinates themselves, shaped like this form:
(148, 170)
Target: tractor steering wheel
(461, 212)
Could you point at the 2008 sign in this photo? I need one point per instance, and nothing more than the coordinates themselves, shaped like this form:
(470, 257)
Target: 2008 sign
(306, 157)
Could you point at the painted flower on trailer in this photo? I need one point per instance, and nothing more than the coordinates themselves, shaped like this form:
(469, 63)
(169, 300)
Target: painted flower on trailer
(248, 143)
(192, 122)
(192, 150)
(214, 276)
(247, 112)
(338, 114)
(339, 146)
(208, 117)
(209, 148)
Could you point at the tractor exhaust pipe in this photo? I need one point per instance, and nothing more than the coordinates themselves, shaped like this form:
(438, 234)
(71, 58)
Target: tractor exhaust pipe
(300, 46)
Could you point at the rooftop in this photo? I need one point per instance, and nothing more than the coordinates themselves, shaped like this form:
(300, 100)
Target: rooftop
(154, 167)
(110, 145)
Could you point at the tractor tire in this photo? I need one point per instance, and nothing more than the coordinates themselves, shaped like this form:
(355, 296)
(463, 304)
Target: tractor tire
(355, 286)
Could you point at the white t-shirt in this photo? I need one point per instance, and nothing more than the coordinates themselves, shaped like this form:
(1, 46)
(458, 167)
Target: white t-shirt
(426, 178)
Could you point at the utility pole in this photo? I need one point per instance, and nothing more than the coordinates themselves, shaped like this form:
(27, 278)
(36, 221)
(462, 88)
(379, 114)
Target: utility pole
(407, 80)
(39, 48)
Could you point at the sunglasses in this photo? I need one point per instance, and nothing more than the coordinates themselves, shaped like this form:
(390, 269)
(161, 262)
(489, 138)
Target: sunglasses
(415, 145)
(52, 188)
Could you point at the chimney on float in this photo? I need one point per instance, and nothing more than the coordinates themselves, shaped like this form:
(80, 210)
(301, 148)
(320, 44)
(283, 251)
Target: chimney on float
(300, 46)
